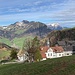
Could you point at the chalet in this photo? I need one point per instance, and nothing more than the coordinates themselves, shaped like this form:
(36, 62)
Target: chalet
(51, 52)
(22, 56)
(54, 52)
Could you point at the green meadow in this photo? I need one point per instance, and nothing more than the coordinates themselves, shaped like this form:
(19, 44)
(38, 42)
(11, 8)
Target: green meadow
(17, 41)
(58, 66)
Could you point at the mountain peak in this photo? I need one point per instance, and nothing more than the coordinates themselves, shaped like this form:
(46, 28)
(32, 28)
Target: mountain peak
(25, 21)
(54, 26)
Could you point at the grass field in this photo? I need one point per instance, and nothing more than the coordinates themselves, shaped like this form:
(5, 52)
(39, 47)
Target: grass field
(59, 66)
(4, 53)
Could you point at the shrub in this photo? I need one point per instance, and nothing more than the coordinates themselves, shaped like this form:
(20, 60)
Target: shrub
(13, 54)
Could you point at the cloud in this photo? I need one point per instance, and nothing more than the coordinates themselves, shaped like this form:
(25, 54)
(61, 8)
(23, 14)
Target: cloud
(37, 2)
(62, 11)
(19, 17)
(22, 6)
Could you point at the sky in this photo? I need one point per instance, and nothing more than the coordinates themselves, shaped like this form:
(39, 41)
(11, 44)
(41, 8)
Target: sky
(46, 11)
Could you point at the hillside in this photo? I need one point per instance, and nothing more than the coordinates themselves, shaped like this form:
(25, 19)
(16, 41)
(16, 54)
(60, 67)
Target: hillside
(66, 34)
(15, 42)
(5, 51)
(59, 66)
(2, 45)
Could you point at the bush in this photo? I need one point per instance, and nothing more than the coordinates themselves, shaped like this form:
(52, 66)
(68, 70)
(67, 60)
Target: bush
(13, 54)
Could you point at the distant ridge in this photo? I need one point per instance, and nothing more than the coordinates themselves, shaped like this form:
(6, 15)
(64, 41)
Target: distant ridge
(24, 28)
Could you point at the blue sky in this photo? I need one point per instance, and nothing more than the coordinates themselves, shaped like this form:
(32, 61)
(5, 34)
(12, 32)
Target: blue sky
(46, 11)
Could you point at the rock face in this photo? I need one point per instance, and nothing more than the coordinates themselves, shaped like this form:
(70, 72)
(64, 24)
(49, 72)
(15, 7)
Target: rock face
(24, 28)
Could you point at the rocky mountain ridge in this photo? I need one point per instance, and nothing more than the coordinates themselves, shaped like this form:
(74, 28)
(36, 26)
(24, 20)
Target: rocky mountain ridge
(24, 28)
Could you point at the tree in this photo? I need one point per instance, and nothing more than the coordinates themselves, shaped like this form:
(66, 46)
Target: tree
(13, 54)
(31, 46)
(37, 56)
(36, 49)
(27, 48)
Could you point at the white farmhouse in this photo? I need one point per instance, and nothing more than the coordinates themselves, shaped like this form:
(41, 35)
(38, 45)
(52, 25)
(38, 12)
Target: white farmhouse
(22, 56)
(55, 52)
(51, 52)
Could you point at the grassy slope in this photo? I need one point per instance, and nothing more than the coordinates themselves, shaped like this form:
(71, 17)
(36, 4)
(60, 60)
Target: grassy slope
(17, 41)
(4, 53)
(60, 66)
(5, 40)
(19, 31)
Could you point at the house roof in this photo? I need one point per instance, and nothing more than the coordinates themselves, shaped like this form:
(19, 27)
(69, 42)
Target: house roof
(66, 43)
(68, 48)
(61, 43)
(43, 50)
(57, 49)
(20, 53)
(71, 43)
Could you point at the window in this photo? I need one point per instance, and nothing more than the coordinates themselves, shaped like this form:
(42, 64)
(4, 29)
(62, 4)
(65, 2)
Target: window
(51, 54)
(67, 53)
(59, 54)
(48, 54)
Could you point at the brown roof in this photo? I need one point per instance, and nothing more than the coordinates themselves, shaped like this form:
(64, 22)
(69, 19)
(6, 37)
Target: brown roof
(57, 49)
(43, 50)
(20, 53)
